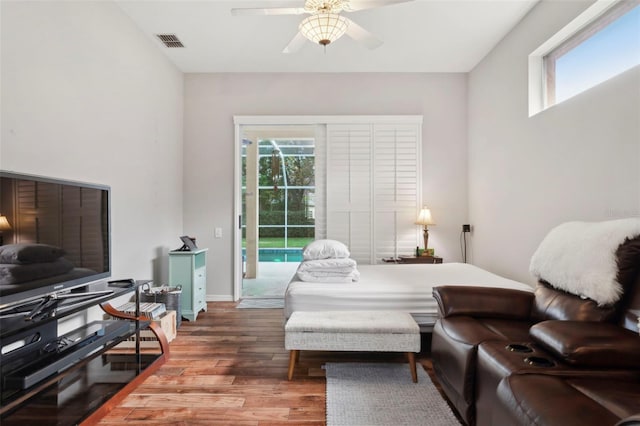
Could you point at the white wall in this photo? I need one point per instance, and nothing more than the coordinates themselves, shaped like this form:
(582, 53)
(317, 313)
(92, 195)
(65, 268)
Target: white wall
(211, 101)
(86, 96)
(579, 160)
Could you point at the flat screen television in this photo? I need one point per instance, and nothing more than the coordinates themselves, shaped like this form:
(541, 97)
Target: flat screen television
(56, 236)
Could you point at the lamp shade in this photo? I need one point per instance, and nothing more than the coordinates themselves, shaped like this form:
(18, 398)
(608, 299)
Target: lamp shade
(424, 218)
(4, 224)
(323, 28)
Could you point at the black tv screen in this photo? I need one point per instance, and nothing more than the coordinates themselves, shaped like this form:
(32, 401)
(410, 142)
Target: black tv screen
(56, 235)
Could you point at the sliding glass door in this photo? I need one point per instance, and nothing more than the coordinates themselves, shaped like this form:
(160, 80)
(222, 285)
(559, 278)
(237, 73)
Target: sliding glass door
(278, 206)
(356, 179)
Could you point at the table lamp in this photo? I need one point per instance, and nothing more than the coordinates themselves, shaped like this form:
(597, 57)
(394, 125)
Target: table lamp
(424, 218)
(4, 226)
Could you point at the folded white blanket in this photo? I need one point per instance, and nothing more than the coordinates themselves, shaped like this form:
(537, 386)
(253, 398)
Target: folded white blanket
(305, 276)
(336, 265)
(328, 270)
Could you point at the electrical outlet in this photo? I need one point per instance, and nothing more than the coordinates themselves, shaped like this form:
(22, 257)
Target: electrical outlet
(218, 232)
(466, 228)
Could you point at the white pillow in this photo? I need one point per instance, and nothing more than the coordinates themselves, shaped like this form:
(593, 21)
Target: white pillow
(325, 249)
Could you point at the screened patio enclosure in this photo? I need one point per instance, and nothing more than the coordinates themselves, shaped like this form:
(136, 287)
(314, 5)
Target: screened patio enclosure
(278, 200)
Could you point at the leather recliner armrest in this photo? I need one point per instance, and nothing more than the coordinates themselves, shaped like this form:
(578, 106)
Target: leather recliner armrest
(483, 302)
(589, 344)
(630, 421)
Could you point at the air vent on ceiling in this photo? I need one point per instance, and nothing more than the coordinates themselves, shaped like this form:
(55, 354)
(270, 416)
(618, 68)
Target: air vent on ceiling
(170, 40)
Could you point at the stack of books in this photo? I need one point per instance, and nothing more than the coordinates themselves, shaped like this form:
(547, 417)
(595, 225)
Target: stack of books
(149, 310)
(157, 312)
(167, 322)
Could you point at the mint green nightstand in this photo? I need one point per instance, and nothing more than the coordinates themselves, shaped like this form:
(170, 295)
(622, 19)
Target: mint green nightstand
(189, 270)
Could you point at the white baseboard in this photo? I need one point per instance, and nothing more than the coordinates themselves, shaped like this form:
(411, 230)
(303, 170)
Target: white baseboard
(219, 298)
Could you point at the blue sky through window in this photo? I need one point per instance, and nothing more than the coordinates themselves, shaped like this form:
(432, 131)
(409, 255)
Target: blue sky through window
(609, 52)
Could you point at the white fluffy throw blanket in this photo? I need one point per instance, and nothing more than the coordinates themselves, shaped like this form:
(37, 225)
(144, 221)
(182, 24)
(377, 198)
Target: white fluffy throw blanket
(580, 258)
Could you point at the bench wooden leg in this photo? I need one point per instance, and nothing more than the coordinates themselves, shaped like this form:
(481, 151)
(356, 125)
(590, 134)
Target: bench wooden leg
(412, 366)
(293, 357)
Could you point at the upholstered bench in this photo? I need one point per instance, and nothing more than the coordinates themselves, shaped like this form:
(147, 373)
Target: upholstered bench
(374, 331)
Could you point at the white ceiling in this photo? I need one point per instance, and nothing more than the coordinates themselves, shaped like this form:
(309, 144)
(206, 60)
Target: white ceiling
(419, 36)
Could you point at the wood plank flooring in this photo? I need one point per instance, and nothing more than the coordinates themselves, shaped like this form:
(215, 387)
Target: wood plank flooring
(230, 367)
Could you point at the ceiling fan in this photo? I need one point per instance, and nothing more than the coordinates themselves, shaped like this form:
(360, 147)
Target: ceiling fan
(325, 23)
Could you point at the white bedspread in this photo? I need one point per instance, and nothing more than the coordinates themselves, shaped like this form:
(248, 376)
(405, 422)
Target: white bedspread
(407, 287)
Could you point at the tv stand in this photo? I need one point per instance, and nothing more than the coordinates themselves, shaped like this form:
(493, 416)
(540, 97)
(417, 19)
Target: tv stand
(71, 377)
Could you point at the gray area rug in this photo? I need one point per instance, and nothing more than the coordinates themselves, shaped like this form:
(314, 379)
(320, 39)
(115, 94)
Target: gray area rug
(383, 394)
(256, 303)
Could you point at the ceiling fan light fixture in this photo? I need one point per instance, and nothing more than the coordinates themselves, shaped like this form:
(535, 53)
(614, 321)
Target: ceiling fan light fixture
(324, 6)
(324, 28)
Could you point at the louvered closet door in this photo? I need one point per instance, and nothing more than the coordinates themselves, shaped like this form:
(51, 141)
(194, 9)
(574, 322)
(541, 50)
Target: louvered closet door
(349, 168)
(373, 188)
(396, 189)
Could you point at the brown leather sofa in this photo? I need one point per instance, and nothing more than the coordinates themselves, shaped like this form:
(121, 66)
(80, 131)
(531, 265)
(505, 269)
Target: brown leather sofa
(537, 399)
(484, 335)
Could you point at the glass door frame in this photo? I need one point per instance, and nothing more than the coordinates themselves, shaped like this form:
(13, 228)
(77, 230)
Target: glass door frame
(286, 126)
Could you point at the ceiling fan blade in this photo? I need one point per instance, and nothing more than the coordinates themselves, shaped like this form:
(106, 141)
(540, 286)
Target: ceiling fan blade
(363, 36)
(354, 5)
(271, 11)
(295, 44)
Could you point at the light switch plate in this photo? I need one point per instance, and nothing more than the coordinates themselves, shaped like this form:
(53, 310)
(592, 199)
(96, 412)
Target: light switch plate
(218, 233)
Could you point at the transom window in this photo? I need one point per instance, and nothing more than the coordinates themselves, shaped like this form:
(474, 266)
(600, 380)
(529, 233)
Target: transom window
(601, 43)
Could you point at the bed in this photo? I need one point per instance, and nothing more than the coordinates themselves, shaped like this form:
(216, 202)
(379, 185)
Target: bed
(406, 288)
